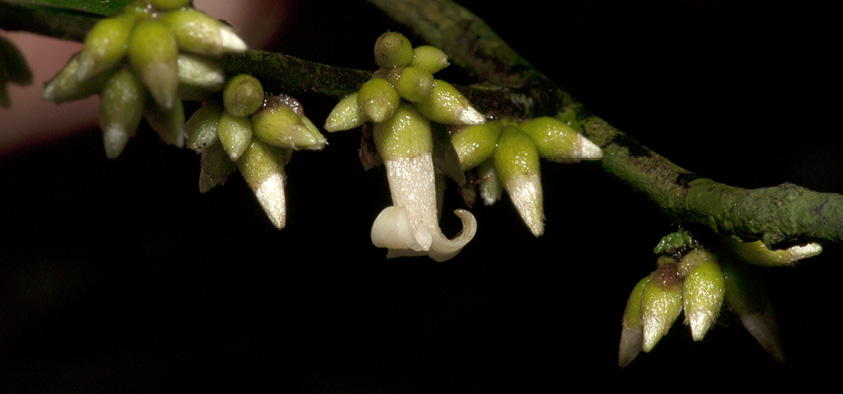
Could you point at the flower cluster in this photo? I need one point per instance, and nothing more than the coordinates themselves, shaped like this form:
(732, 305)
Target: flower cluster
(255, 133)
(142, 63)
(507, 152)
(700, 282)
(400, 101)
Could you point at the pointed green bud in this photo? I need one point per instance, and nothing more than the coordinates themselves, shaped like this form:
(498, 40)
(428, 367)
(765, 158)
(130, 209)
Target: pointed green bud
(703, 291)
(517, 163)
(200, 72)
(632, 334)
(661, 304)
(277, 124)
(153, 53)
(413, 84)
(202, 126)
(489, 182)
(262, 166)
(378, 99)
(393, 50)
(235, 134)
(404, 135)
(243, 95)
(121, 109)
(216, 166)
(447, 105)
(199, 33)
(166, 5)
(65, 86)
(475, 143)
(347, 114)
(106, 45)
(429, 58)
(748, 298)
(559, 142)
(169, 124)
(758, 253)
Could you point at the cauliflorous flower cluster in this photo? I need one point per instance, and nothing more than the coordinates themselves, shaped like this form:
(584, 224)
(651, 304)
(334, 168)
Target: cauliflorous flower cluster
(700, 282)
(142, 63)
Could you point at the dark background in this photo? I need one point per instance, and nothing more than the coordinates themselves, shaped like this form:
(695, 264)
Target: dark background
(119, 276)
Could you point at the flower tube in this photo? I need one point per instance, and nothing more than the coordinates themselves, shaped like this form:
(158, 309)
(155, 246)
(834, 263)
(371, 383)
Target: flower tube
(410, 227)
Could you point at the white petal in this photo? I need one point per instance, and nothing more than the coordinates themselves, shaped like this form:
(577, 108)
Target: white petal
(392, 230)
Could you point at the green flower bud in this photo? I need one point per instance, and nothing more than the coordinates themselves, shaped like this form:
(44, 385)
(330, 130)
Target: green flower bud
(517, 163)
(199, 33)
(703, 291)
(378, 99)
(153, 53)
(429, 58)
(202, 126)
(165, 5)
(632, 334)
(413, 84)
(262, 166)
(489, 182)
(393, 50)
(216, 166)
(559, 142)
(747, 297)
(277, 124)
(199, 72)
(447, 105)
(121, 108)
(661, 303)
(169, 124)
(65, 86)
(758, 253)
(106, 45)
(243, 95)
(406, 134)
(475, 143)
(347, 114)
(235, 134)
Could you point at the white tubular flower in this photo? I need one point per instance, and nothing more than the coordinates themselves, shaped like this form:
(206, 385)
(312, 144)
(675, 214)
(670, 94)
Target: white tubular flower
(411, 226)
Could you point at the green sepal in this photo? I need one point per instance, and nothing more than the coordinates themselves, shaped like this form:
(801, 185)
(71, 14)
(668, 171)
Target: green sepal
(199, 72)
(703, 291)
(106, 45)
(475, 144)
(378, 99)
(632, 333)
(153, 53)
(199, 33)
(429, 58)
(242, 95)
(447, 105)
(278, 125)
(65, 86)
(404, 135)
(121, 108)
(393, 50)
(235, 134)
(412, 83)
(202, 127)
(661, 304)
(347, 114)
(262, 166)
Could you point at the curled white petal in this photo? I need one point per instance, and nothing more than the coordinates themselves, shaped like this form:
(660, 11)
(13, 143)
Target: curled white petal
(411, 226)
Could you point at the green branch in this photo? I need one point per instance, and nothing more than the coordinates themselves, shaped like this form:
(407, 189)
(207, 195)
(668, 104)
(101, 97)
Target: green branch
(512, 87)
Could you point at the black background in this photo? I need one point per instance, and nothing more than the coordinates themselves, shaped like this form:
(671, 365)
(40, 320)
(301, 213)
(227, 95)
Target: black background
(119, 276)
